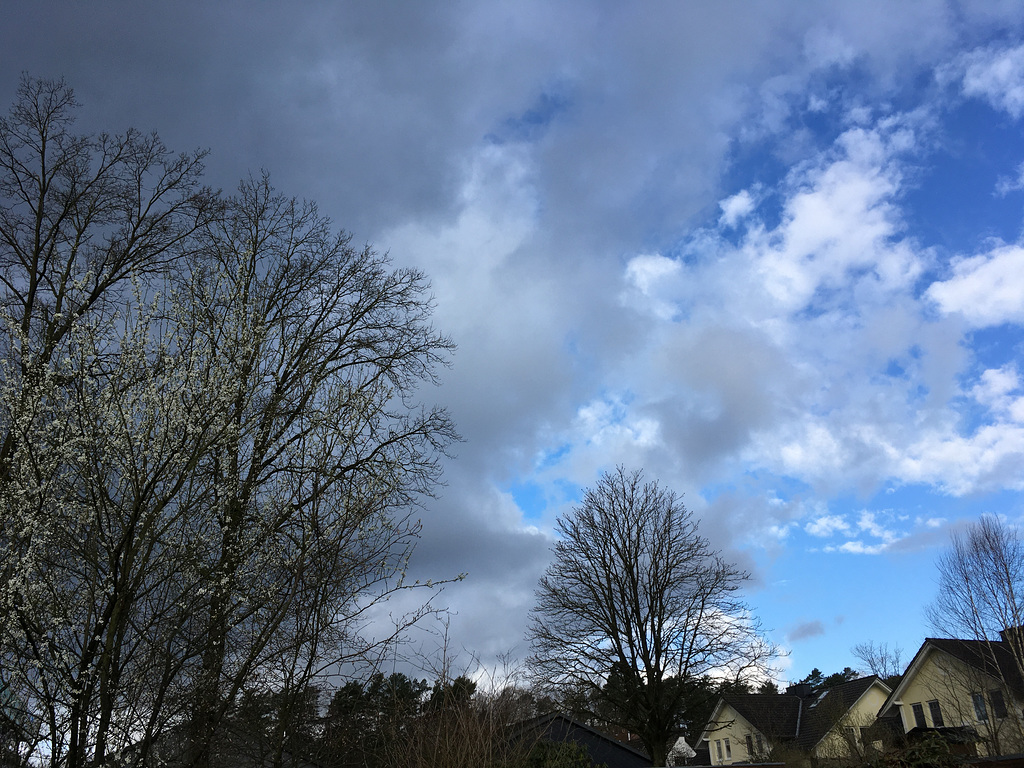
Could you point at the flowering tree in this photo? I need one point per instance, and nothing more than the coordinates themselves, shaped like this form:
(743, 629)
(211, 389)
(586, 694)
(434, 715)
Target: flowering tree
(86, 224)
(319, 347)
(209, 441)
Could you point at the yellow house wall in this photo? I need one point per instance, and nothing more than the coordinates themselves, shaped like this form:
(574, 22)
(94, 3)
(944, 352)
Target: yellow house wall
(949, 681)
(945, 680)
(735, 730)
(862, 714)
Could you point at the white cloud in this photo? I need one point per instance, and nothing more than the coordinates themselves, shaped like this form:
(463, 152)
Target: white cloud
(996, 75)
(997, 383)
(806, 346)
(859, 548)
(607, 423)
(995, 391)
(646, 271)
(652, 276)
(987, 289)
(840, 219)
(735, 208)
(989, 459)
(812, 451)
(1006, 185)
(869, 523)
(825, 47)
(827, 525)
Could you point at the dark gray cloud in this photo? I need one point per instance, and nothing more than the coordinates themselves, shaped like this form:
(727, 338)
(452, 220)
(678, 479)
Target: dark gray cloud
(805, 630)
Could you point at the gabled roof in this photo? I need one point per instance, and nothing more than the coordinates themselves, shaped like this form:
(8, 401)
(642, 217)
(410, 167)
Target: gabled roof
(775, 715)
(991, 657)
(831, 707)
(602, 748)
(802, 719)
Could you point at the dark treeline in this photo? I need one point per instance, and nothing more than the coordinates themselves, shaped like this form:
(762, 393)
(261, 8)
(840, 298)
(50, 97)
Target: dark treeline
(397, 721)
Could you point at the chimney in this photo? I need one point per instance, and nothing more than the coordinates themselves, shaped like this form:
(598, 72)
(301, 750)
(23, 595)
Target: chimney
(803, 690)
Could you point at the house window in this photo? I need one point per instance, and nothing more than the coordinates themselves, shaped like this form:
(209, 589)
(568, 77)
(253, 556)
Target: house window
(718, 749)
(759, 744)
(919, 715)
(728, 750)
(750, 745)
(998, 703)
(980, 713)
(937, 721)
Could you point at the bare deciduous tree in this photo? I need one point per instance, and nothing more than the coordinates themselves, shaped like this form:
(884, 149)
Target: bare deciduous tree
(634, 587)
(981, 601)
(880, 659)
(981, 584)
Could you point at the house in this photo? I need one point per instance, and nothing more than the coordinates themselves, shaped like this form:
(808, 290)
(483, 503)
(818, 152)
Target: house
(968, 691)
(799, 726)
(601, 748)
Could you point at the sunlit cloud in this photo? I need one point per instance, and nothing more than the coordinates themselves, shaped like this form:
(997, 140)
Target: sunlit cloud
(735, 208)
(827, 525)
(995, 74)
(987, 289)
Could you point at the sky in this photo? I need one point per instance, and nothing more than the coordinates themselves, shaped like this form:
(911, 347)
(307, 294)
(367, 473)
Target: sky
(769, 252)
